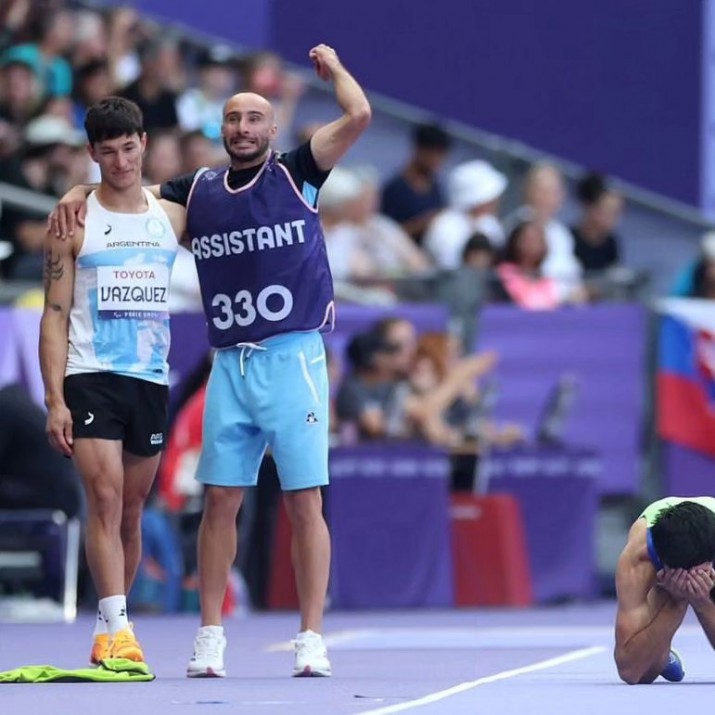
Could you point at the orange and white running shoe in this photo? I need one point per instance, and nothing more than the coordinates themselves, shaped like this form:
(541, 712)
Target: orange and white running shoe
(100, 648)
(124, 644)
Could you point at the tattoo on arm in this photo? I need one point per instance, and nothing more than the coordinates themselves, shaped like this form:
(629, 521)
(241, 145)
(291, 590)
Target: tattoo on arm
(53, 269)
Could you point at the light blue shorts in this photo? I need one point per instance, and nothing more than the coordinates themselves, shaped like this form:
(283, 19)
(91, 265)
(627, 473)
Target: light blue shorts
(273, 394)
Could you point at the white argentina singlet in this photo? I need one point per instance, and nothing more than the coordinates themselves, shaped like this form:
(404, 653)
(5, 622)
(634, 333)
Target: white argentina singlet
(119, 320)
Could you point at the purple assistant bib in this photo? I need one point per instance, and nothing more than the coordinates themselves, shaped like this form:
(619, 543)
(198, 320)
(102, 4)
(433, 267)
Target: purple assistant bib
(260, 255)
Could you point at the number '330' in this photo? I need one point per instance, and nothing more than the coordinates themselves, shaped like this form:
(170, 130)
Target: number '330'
(243, 310)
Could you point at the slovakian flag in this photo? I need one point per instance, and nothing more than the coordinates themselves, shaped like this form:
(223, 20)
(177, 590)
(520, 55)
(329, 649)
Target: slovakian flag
(686, 373)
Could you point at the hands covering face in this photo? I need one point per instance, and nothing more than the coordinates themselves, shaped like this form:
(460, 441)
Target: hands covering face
(692, 585)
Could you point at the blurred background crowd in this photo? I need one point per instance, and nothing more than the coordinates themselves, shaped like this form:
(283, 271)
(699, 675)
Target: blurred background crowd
(418, 213)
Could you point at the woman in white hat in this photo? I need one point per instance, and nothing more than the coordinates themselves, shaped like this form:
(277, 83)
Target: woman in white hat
(474, 191)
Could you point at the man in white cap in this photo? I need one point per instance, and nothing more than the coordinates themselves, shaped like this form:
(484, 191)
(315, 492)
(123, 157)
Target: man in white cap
(474, 191)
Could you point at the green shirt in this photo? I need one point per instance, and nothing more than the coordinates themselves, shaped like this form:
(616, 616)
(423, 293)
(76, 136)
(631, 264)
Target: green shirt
(650, 513)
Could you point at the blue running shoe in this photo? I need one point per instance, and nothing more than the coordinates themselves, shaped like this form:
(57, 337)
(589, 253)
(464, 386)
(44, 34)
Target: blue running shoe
(673, 671)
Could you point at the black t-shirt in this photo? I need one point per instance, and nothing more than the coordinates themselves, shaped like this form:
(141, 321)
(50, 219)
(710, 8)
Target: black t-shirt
(402, 203)
(300, 164)
(595, 257)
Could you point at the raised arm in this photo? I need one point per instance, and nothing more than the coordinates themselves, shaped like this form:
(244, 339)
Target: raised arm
(456, 382)
(59, 285)
(331, 141)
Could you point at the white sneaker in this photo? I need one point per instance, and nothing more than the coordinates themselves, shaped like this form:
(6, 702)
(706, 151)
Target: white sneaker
(207, 660)
(311, 656)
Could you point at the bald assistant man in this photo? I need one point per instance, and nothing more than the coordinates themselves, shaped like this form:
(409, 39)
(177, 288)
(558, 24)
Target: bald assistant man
(267, 292)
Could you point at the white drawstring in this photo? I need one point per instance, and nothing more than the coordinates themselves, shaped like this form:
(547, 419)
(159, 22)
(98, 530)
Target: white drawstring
(250, 347)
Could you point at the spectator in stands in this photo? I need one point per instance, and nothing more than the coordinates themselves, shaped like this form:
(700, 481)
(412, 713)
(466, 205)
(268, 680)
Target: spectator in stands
(124, 35)
(388, 243)
(160, 64)
(414, 197)
(479, 253)
(521, 271)
(369, 245)
(383, 239)
(198, 151)
(474, 192)
(544, 195)
(201, 107)
(347, 256)
(55, 37)
(93, 81)
(20, 91)
(90, 38)
(368, 396)
(446, 386)
(162, 161)
(62, 107)
(20, 99)
(395, 391)
(32, 474)
(698, 279)
(43, 165)
(469, 287)
(595, 244)
(14, 16)
(400, 336)
(381, 360)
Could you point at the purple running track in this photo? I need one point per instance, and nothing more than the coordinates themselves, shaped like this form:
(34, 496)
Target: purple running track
(536, 661)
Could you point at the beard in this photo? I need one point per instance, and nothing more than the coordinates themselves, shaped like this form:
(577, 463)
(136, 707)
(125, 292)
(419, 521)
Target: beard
(260, 151)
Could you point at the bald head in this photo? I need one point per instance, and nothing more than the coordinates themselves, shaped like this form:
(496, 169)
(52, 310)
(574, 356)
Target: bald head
(248, 129)
(544, 190)
(245, 102)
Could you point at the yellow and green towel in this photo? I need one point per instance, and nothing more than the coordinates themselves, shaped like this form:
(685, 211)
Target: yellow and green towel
(117, 670)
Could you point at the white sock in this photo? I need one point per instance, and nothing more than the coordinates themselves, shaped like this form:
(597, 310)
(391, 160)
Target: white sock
(100, 625)
(213, 630)
(114, 612)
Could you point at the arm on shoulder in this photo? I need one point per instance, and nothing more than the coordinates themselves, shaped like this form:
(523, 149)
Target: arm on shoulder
(177, 218)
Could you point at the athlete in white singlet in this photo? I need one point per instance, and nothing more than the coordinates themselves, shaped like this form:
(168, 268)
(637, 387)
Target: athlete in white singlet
(104, 341)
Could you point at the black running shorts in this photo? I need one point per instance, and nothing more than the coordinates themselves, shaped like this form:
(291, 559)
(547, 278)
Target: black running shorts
(105, 405)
